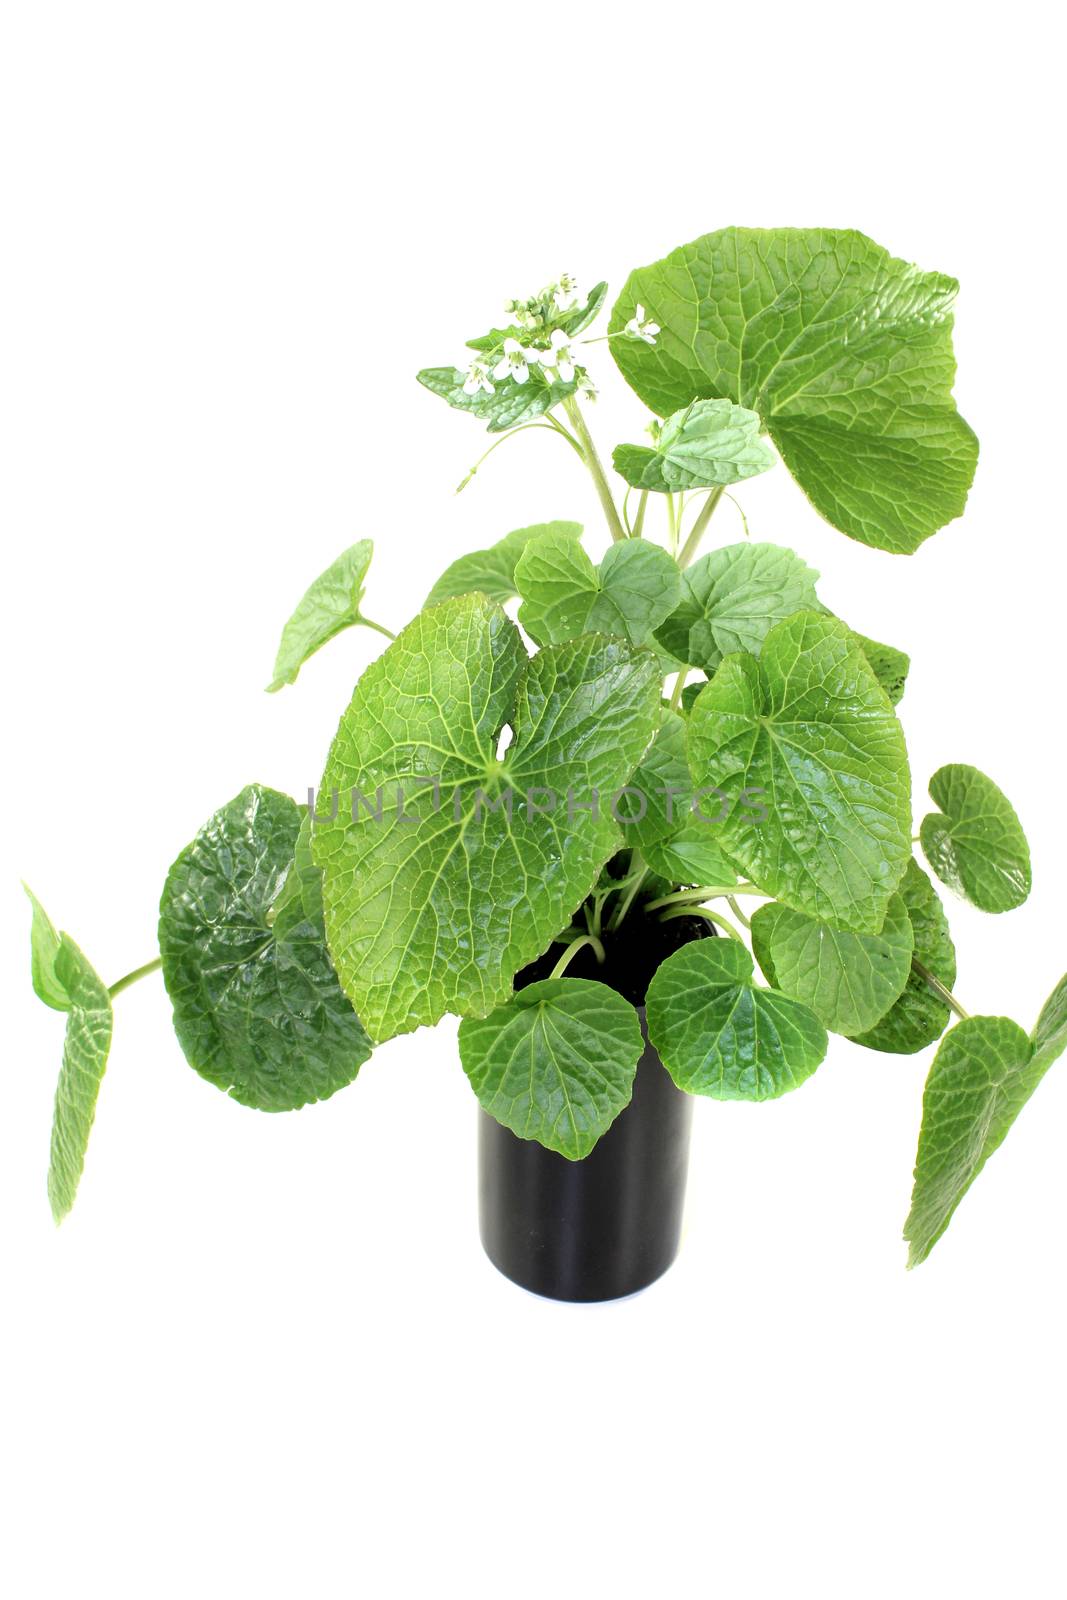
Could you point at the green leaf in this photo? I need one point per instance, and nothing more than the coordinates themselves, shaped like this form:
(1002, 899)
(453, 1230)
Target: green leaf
(635, 587)
(556, 1063)
(44, 948)
(720, 1035)
(808, 728)
(675, 843)
(257, 1006)
(578, 320)
(330, 605)
(85, 1051)
(492, 572)
(844, 351)
(691, 856)
(889, 666)
(918, 1018)
(849, 980)
(975, 842)
(709, 443)
(509, 404)
(732, 598)
(573, 321)
(984, 1072)
(436, 904)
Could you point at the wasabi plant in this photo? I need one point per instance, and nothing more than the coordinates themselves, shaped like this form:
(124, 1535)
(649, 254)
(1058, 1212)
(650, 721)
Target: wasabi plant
(529, 823)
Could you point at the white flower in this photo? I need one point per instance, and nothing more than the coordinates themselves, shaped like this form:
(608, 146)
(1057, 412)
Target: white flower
(514, 363)
(638, 328)
(477, 378)
(565, 291)
(560, 358)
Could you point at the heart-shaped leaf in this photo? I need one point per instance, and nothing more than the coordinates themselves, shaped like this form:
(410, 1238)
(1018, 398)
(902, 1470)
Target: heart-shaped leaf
(808, 728)
(975, 842)
(720, 1035)
(460, 867)
(492, 572)
(732, 598)
(330, 605)
(257, 1006)
(849, 980)
(85, 1052)
(635, 587)
(984, 1072)
(709, 443)
(918, 1018)
(556, 1063)
(845, 353)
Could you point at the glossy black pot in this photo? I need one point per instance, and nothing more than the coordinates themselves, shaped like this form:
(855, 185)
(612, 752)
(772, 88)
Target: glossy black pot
(595, 1229)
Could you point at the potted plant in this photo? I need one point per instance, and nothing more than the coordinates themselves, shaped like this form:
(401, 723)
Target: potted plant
(654, 839)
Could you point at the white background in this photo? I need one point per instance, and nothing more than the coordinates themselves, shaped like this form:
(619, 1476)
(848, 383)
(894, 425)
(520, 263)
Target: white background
(265, 1356)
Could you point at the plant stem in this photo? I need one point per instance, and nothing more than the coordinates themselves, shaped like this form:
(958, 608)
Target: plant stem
(132, 977)
(679, 685)
(639, 872)
(639, 520)
(575, 945)
(738, 913)
(550, 423)
(709, 916)
(592, 461)
(710, 891)
(377, 626)
(939, 989)
(696, 532)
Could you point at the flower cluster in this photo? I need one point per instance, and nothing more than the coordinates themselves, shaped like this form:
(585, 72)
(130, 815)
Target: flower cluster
(547, 348)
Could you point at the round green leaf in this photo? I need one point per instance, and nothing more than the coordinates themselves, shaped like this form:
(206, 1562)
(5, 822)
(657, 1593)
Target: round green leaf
(710, 443)
(918, 1018)
(975, 842)
(563, 595)
(845, 353)
(492, 572)
(460, 866)
(849, 980)
(732, 598)
(808, 732)
(257, 1006)
(329, 606)
(720, 1035)
(556, 1063)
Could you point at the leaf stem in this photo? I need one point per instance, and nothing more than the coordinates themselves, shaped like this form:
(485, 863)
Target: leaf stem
(939, 989)
(738, 913)
(132, 977)
(679, 685)
(377, 626)
(709, 891)
(575, 945)
(709, 916)
(639, 873)
(639, 520)
(550, 423)
(593, 462)
(696, 532)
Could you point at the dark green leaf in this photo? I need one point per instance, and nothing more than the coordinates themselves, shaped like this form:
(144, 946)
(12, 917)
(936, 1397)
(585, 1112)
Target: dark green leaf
(720, 1035)
(492, 572)
(807, 731)
(732, 598)
(709, 443)
(984, 1072)
(556, 1063)
(889, 666)
(257, 1006)
(635, 587)
(845, 353)
(975, 842)
(849, 980)
(435, 906)
(918, 1018)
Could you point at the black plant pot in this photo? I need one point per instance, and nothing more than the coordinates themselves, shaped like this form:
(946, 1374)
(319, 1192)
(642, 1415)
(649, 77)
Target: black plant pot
(595, 1229)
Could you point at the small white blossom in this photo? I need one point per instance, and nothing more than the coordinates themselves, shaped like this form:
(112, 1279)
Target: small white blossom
(560, 358)
(565, 291)
(477, 378)
(514, 363)
(638, 328)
